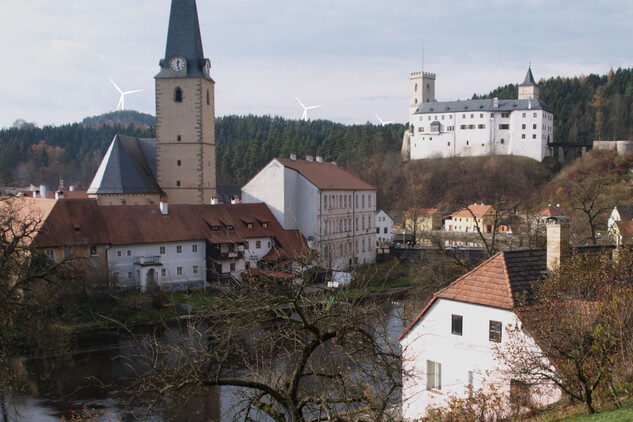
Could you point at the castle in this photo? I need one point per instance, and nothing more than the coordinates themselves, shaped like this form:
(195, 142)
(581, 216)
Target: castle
(522, 126)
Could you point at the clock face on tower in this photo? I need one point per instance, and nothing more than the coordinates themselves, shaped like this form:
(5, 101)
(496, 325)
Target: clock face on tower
(177, 64)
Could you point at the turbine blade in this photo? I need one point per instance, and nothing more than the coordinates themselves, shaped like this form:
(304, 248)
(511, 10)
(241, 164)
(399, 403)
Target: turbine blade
(132, 92)
(381, 122)
(116, 86)
(300, 102)
(311, 107)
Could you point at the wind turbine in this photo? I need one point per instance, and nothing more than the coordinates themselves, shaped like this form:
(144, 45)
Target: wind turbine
(304, 116)
(121, 105)
(383, 123)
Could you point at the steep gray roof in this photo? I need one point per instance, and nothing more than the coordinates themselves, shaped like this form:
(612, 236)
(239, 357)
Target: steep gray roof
(625, 211)
(529, 78)
(129, 166)
(473, 106)
(183, 39)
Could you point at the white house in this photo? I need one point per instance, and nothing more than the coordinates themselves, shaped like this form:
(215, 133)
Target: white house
(522, 126)
(384, 228)
(456, 340)
(619, 224)
(333, 209)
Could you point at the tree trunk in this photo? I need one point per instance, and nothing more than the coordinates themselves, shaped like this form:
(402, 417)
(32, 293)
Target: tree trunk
(589, 400)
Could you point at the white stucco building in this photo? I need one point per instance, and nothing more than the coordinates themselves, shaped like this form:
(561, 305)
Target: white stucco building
(333, 209)
(384, 228)
(522, 126)
(457, 340)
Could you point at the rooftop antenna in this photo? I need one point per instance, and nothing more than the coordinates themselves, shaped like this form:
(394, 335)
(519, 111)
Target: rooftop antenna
(121, 104)
(304, 116)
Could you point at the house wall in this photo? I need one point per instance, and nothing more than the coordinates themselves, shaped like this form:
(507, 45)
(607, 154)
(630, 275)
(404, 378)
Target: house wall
(384, 228)
(268, 186)
(479, 133)
(123, 263)
(467, 358)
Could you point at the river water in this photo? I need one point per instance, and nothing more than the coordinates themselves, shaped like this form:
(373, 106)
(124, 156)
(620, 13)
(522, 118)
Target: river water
(85, 380)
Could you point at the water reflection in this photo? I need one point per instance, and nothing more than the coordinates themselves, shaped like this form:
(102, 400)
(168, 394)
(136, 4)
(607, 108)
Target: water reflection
(85, 379)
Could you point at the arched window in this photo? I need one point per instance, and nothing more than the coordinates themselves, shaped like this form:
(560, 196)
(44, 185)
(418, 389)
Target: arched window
(416, 87)
(178, 95)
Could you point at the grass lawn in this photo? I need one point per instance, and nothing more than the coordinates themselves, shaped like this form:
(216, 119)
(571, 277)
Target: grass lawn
(577, 413)
(618, 415)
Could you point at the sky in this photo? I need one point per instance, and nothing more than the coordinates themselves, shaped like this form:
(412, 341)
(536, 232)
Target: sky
(352, 57)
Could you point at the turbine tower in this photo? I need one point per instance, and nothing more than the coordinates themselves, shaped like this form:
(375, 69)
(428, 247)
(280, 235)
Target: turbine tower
(383, 123)
(304, 116)
(121, 105)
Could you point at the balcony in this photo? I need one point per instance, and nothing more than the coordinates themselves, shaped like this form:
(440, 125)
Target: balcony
(146, 261)
(231, 255)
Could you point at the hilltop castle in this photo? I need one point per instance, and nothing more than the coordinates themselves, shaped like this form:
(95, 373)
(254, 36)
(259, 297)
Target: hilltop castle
(522, 126)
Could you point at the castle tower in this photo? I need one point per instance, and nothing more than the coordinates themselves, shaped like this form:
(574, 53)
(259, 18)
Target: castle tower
(421, 89)
(528, 90)
(185, 112)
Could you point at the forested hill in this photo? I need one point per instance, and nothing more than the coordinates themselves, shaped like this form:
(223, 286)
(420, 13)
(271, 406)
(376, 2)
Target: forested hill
(586, 107)
(29, 154)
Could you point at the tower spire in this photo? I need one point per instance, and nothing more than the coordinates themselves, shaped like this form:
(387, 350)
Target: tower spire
(184, 39)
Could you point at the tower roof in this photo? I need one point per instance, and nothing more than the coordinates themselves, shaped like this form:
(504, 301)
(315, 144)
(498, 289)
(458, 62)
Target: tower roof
(529, 78)
(183, 39)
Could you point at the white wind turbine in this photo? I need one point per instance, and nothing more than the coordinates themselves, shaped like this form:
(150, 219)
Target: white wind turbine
(304, 116)
(121, 105)
(383, 123)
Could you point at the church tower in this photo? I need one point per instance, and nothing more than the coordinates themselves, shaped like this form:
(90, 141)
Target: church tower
(528, 90)
(185, 112)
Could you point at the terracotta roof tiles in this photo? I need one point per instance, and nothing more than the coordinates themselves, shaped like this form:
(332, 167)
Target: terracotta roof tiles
(326, 175)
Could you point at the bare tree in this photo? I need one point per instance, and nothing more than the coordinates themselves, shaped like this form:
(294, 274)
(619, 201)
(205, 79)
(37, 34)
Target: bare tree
(581, 321)
(296, 351)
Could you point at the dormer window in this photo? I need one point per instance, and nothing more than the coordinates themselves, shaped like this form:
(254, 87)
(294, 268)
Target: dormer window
(178, 95)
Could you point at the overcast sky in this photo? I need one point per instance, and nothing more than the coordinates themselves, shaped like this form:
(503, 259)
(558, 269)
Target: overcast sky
(353, 57)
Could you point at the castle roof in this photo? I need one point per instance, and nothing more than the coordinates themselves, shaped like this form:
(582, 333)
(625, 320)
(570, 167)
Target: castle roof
(129, 166)
(476, 106)
(529, 79)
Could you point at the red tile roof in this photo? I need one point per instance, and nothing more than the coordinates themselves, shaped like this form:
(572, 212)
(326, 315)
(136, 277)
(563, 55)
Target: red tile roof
(477, 211)
(625, 228)
(81, 222)
(554, 212)
(326, 175)
(503, 281)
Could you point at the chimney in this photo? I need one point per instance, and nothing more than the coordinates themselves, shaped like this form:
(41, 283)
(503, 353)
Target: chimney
(495, 101)
(309, 158)
(42, 191)
(333, 163)
(235, 200)
(164, 208)
(557, 241)
(59, 194)
(319, 159)
(71, 188)
(214, 200)
(530, 104)
(293, 157)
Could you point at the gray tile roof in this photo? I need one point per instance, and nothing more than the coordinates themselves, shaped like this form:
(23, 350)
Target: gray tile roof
(474, 106)
(529, 78)
(183, 39)
(129, 166)
(626, 212)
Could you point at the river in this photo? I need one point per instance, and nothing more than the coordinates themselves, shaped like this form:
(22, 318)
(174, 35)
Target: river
(86, 380)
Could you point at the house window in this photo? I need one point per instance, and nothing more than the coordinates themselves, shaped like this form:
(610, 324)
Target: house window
(163, 272)
(523, 126)
(533, 114)
(519, 393)
(246, 245)
(179, 249)
(129, 275)
(494, 333)
(178, 95)
(385, 230)
(534, 126)
(433, 375)
(523, 136)
(162, 250)
(118, 254)
(534, 136)
(194, 270)
(194, 248)
(258, 244)
(456, 324)
(179, 270)
(93, 250)
(504, 126)
(178, 163)
(129, 252)
(324, 202)
(268, 245)
(50, 253)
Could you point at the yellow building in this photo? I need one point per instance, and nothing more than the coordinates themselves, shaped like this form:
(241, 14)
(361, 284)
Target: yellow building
(468, 219)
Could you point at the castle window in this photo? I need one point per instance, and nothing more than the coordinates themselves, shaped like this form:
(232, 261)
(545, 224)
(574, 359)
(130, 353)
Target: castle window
(502, 140)
(416, 89)
(178, 181)
(179, 138)
(178, 95)
(208, 98)
(178, 163)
